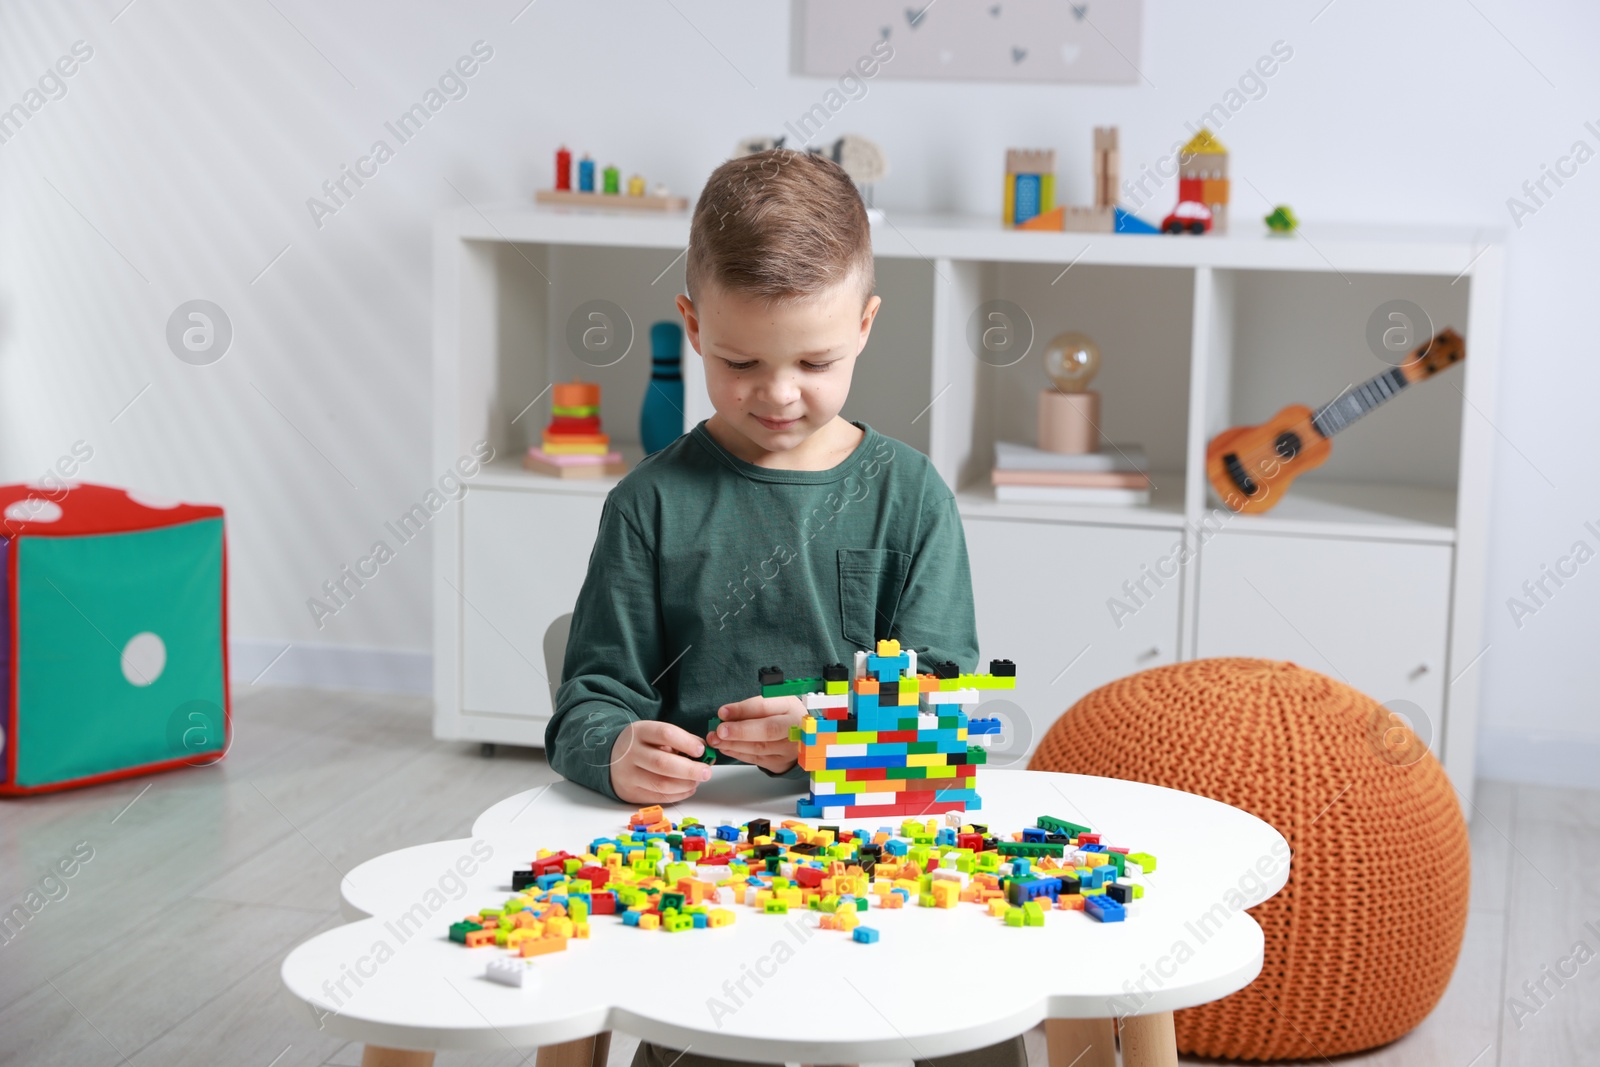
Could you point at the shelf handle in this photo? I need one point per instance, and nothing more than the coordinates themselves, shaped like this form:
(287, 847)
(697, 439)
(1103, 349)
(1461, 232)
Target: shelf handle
(1418, 671)
(1150, 653)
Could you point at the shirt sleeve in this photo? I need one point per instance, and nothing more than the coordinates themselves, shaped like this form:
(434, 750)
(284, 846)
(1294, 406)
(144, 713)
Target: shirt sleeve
(937, 616)
(614, 649)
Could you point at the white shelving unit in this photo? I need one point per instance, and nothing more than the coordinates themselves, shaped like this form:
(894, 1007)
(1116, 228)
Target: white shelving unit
(1370, 570)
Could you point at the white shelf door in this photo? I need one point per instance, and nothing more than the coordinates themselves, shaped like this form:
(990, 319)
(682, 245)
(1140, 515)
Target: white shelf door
(1372, 614)
(1042, 590)
(524, 559)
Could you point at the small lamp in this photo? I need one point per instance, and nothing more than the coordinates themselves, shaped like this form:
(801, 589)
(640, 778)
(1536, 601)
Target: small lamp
(1069, 414)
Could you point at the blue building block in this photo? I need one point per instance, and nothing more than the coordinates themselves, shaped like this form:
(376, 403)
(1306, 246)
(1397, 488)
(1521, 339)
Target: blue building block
(865, 934)
(1127, 222)
(1104, 908)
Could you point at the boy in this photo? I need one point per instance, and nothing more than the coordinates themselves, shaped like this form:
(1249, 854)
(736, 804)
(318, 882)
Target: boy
(774, 532)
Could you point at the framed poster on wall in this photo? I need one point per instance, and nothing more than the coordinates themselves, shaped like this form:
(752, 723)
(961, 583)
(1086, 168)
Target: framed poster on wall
(1092, 43)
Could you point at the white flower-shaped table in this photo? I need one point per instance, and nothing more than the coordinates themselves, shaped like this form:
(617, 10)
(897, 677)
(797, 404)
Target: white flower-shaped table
(774, 988)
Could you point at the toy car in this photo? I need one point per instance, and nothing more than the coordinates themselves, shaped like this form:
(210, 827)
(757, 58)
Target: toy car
(1190, 215)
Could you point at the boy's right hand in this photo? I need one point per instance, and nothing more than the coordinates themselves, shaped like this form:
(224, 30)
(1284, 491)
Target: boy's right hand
(648, 767)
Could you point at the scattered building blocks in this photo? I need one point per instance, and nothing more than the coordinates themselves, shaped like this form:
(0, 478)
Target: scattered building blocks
(651, 884)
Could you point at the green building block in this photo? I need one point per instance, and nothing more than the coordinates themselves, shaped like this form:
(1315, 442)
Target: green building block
(1032, 914)
(1015, 917)
(1146, 862)
(1060, 826)
(794, 687)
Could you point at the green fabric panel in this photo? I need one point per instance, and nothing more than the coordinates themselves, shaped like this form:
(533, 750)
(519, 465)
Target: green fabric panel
(81, 599)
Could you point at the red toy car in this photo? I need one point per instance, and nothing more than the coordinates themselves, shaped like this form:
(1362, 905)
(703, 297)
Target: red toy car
(1190, 215)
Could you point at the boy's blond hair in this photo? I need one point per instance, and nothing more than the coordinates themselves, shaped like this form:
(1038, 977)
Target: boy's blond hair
(779, 226)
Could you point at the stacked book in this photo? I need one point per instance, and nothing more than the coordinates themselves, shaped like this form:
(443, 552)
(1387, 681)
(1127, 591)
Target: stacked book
(1024, 474)
(573, 445)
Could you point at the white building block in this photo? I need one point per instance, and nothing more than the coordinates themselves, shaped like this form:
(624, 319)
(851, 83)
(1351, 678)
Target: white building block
(513, 971)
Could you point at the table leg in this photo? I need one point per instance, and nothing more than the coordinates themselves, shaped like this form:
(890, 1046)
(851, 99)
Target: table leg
(584, 1052)
(1149, 1041)
(1084, 1042)
(378, 1056)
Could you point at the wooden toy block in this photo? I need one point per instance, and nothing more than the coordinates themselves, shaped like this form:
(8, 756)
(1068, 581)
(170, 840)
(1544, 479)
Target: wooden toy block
(1029, 184)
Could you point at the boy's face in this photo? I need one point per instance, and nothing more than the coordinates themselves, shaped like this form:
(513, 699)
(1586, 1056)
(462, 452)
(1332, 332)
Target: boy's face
(778, 373)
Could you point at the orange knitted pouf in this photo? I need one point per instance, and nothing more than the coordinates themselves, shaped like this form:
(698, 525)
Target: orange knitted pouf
(1361, 942)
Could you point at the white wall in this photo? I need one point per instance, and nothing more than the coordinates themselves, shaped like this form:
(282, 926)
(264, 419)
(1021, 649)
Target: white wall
(178, 164)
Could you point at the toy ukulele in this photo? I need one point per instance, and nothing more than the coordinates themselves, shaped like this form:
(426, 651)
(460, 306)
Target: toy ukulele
(1250, 467)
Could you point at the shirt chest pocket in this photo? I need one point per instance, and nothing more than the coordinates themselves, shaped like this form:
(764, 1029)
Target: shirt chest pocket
(870, 583)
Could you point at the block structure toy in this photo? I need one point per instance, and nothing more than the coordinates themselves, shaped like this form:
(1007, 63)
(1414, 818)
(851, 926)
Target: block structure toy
(1030, 191)
(573, 445)
(113, 636)
(1203, 177)
(879, 738)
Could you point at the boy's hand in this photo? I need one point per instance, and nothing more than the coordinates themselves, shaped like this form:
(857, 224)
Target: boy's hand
(757, 731)
(646, 765)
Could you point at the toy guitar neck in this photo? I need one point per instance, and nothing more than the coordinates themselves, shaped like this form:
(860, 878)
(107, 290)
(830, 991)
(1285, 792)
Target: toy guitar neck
(1251, 466)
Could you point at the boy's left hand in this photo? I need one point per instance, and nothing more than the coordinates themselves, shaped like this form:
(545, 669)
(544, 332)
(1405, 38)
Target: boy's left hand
(757, 731)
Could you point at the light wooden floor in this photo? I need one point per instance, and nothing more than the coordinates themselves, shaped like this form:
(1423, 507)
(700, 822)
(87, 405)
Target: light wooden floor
(165, 948)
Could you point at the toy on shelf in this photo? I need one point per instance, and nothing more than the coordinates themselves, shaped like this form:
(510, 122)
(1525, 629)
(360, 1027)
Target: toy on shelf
(863, 160)
(610, 193)
(1251, 467)
(1202, 188)
(573, 445)
(672, 877)
(1282, 220)
(661, 414)
(882, 739)
(1030, 192)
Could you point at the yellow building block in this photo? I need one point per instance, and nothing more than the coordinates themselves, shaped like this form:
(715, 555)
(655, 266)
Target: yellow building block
(649, 922)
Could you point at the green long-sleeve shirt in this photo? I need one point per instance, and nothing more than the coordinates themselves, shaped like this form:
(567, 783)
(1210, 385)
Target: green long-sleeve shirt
(707, 568)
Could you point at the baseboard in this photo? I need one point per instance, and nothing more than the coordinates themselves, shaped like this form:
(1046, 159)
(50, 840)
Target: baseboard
(1539, 758)
(319, 666)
